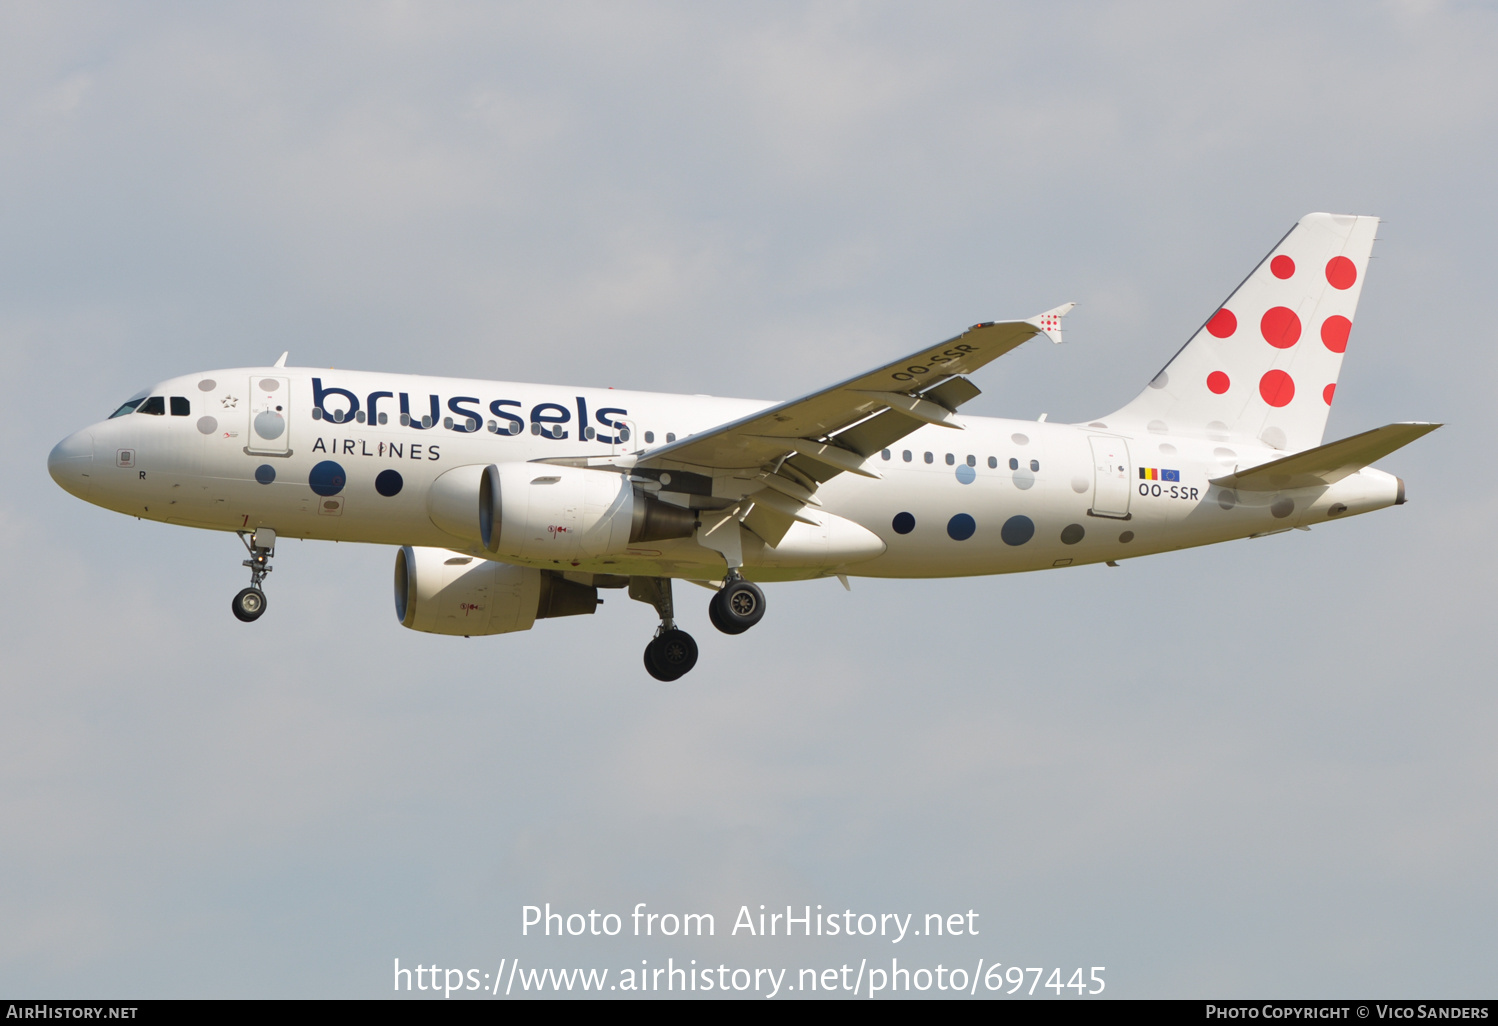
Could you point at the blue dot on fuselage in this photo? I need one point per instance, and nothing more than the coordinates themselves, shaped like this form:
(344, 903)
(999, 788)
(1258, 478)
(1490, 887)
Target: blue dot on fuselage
(327, 478)
(966, 474)
(388, 483)
(904, 523)
(265, 473)
(1017, 530)
(961, 527)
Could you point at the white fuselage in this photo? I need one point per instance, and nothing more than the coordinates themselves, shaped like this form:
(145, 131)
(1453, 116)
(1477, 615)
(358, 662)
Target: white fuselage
(998, 496)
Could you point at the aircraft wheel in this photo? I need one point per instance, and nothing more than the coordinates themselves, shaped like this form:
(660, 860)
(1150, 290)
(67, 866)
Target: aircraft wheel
(671, 655)
(249, 604)
(736, 607)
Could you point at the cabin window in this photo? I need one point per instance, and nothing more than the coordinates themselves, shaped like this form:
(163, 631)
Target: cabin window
(993, 463)
(1035, 465)
(650, 438)
(906, 455)
(930, 458)
(1013, 463)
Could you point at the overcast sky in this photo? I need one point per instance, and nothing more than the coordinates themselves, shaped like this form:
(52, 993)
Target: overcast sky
(1261, 768)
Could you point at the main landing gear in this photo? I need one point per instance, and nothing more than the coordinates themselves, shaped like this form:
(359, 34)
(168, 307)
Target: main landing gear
(736, 607)
(250, 602)
(672, 652)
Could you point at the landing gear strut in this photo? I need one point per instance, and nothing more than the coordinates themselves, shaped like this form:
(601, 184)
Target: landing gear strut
(672, 652)
(250, 602)
(737, 606)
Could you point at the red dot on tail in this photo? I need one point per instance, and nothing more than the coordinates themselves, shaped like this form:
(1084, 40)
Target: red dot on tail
(1280, 327)
(1334, 331)
(1218, 382)
(1328, 392)
(1282, 266)
(1223, 323)
(1341, 272)
(1277, 388)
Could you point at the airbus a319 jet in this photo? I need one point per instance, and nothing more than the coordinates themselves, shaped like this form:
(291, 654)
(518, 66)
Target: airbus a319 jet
(511, 503)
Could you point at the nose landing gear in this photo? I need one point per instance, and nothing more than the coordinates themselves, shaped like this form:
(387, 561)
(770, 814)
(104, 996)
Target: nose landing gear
(250, 602)
(672, 653)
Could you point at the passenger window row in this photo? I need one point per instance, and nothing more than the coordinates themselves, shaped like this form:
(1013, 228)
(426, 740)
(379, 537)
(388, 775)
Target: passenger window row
(951, 459)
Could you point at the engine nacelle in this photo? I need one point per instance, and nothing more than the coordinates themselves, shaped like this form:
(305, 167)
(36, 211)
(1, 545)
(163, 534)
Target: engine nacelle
(541, 511)
(445, 592)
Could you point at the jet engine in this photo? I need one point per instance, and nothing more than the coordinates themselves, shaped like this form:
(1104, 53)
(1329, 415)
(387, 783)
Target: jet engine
(444, 592)
(541, 511)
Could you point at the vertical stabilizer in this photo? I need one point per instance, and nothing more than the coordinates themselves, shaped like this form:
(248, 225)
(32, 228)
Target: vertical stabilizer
(1264, 366)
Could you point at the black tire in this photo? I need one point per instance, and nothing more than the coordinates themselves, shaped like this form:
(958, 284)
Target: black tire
(738, 606)
(671, 655)
(249, 604)
(717, 618)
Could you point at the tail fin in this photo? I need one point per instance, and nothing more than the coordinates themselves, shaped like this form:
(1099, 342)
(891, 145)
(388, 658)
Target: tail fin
(1264, 367)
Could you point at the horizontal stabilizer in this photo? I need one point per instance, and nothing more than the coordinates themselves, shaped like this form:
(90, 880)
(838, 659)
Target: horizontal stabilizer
(1326, 464)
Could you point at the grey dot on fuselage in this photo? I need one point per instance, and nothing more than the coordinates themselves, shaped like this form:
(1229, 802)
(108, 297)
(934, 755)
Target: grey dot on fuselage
(1161, 380)
(269, 424)
(1020, 439)
(1273, 437)
(207, 385)
(1158, 427)
(1282, 508)
(269, 384)
(1167, 449)
(1079, 484)
(1217, 431)
(1023, 479)
(1126, 537)
(207, 425)
(1072, 533)
(1226, 499)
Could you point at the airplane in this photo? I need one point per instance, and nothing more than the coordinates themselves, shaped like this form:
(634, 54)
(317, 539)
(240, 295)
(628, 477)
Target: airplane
(511, 503)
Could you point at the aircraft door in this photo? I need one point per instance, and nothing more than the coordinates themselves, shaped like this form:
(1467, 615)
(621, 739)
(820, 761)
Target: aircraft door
(1110, 480)
(627, 440)
(270, 416)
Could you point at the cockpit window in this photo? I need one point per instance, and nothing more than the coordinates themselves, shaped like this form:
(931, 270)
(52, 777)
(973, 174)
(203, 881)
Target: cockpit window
(155, 406)
(181, 407)
(130, 404)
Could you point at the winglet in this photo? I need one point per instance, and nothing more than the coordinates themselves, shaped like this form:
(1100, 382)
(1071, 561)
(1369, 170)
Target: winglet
(1050, 322)
(282, 361)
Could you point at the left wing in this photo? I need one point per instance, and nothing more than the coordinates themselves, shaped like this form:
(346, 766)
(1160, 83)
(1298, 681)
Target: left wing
(780, 455)
(837, 428)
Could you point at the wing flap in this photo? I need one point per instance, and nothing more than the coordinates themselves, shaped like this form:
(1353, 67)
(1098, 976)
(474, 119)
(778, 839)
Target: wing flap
(1326, 464)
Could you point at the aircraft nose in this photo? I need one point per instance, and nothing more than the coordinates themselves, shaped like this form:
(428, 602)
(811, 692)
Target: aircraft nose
(71, 463)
